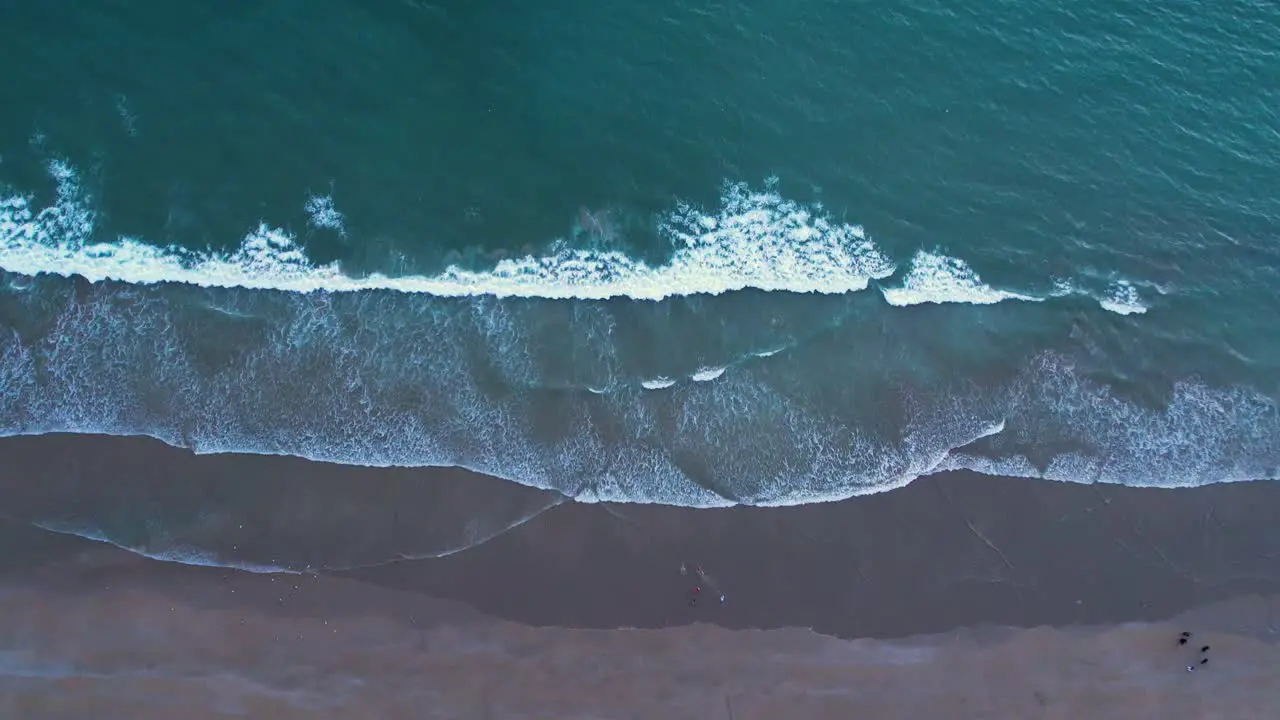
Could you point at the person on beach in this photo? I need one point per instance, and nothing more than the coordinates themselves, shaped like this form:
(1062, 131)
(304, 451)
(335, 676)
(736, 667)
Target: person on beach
(710, 582)
(1183, 637)
(705, 579)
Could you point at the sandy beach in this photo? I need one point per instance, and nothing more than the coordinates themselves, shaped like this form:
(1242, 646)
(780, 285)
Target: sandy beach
(958, 596)
(105, 634)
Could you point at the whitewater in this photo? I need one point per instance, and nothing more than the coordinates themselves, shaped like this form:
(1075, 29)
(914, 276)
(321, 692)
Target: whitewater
(448, 370)
(755, 239)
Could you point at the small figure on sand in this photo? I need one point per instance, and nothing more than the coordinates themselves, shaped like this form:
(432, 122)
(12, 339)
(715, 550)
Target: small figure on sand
(704, 579)
(1185, 636)
(709, 582)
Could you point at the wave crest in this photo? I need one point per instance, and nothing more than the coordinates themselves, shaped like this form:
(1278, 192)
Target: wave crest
(755, 239)
(935, 278)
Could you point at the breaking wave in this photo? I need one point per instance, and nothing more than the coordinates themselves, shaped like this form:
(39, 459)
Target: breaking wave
(465, 368)
(389, 381)
(940, 279)
(755, 239)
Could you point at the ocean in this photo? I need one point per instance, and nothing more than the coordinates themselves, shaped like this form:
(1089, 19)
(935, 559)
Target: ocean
(678, 252)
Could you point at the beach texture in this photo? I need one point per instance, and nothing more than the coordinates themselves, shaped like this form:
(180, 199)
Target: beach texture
(937, 600)
(92, 640)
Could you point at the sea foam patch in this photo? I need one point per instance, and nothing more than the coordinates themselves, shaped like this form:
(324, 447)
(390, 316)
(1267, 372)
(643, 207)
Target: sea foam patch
(935, 278)
(323, 214)
(1122, 298)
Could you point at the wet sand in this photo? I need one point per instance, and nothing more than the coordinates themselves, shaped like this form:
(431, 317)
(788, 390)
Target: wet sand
(958, 596)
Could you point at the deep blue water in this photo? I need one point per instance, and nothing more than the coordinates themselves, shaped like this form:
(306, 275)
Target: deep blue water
(681, 252)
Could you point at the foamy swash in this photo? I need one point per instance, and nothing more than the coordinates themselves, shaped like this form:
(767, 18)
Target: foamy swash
(408, 379)
(377, 383)
(755, 239)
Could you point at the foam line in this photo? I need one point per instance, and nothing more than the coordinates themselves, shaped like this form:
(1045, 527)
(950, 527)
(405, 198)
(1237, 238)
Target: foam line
(755, 239)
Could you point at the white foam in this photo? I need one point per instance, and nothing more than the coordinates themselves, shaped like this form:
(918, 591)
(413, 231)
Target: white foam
(179, 555)
(753, 240)
(323, 214)
(120, 368)
(105, 367)
(707, 374)
(935, 278)
(657, 383)
(930, 451)
(1122, 298)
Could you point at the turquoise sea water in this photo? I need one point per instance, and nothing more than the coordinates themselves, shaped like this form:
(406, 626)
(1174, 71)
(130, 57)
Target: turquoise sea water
(680, 252)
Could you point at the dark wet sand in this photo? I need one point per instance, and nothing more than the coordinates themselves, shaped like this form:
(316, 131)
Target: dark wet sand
(941, 572)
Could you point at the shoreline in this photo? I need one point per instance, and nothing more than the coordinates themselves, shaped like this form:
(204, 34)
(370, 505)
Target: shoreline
(958, 596)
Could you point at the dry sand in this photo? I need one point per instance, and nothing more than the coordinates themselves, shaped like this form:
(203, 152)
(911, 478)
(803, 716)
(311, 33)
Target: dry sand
(106, 635)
